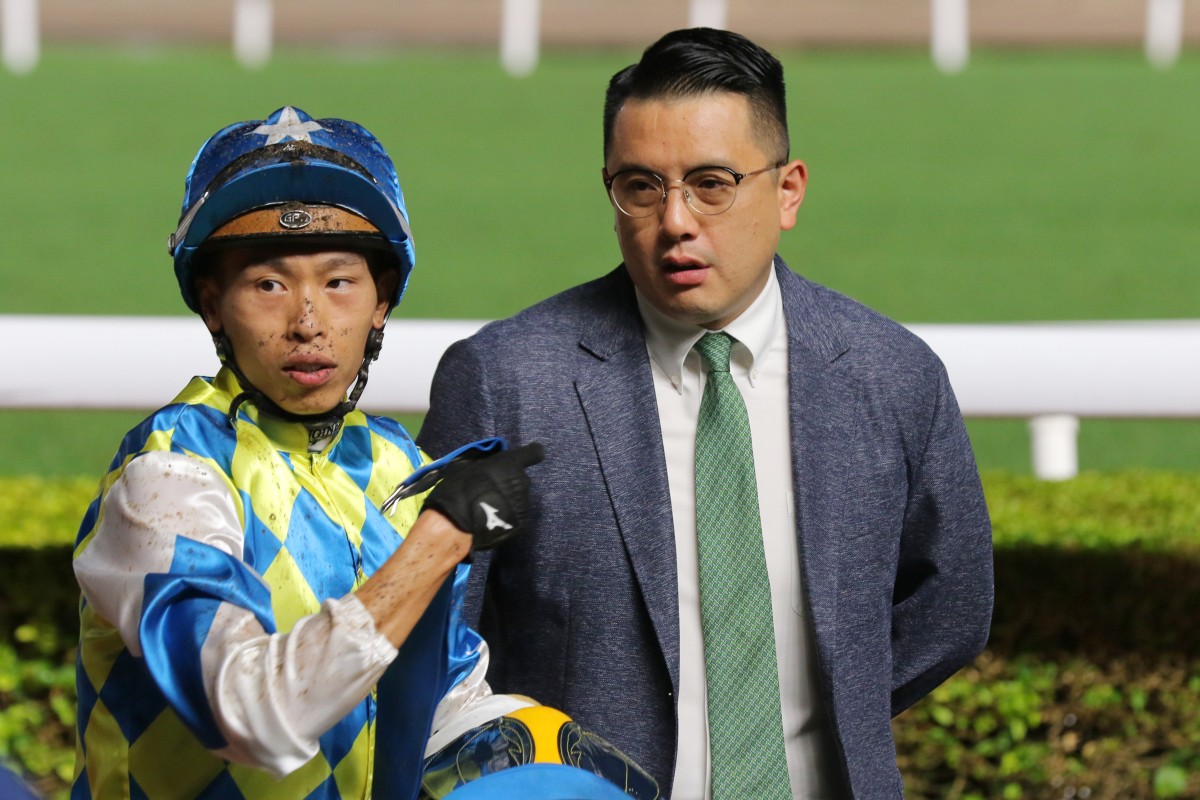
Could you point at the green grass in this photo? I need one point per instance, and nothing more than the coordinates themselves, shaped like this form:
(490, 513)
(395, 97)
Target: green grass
(1032, 186)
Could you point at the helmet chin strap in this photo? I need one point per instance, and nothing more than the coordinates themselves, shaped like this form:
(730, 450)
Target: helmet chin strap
(321, 426)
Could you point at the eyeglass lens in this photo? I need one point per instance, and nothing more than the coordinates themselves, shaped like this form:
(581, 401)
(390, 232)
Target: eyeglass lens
(708, 190)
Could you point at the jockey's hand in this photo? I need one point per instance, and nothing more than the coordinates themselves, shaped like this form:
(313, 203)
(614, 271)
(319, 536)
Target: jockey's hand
(487, 497)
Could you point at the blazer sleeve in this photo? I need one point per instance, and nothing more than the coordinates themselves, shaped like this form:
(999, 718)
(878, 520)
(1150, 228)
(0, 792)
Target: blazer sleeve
(942, 601)
(460, 408)
(461, 411)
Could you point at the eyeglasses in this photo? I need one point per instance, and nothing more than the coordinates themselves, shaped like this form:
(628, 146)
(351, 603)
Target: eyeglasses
(708, 190)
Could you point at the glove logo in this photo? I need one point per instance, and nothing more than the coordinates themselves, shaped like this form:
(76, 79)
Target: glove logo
(493, 518)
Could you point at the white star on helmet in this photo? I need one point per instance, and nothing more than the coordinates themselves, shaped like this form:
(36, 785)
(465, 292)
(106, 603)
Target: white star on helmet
(288, 127)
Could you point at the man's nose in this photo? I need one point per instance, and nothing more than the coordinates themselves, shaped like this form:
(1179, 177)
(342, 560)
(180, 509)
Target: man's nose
(678, 219)
(307, 317)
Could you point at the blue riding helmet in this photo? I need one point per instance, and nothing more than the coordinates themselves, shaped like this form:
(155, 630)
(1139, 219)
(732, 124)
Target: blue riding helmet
(289, 157)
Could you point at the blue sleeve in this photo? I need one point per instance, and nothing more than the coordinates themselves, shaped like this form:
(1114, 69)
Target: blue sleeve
(177, 613)
(463, 642)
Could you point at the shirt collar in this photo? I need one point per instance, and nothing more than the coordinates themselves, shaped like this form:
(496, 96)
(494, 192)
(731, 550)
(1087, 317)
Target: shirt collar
(669, 341)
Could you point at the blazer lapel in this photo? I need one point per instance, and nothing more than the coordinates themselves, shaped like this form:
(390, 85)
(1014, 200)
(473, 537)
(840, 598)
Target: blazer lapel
(823, 407)
(616, 392)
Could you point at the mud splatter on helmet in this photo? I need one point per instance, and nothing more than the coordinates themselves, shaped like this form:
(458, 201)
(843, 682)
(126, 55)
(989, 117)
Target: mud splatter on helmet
(291, 175)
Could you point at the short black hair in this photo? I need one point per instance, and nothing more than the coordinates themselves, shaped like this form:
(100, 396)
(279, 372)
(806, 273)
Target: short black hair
(697, 61)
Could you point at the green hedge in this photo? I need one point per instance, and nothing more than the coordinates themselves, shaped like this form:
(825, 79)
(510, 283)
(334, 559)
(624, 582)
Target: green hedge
(39, 626)
(1033, 727)
(1089, 688)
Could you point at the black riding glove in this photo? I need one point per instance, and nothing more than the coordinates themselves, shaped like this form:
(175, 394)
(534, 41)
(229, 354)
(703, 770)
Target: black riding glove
(487, 497)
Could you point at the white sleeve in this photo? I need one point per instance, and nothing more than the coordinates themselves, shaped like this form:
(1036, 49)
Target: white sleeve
(272, 695)
(470, 704)
(159, 496)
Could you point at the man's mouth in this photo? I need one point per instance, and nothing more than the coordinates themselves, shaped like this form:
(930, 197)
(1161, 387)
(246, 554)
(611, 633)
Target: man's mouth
(684, 271)
(310, 371)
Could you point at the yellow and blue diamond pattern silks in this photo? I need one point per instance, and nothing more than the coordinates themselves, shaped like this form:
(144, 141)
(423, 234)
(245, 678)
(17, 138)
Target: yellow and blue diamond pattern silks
(312, 531)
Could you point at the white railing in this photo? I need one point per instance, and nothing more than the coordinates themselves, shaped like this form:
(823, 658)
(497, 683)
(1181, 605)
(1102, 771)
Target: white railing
(20, 38)
(520, 36)
(253, 32)
(949, 35)
(1052, 374)
(1164, 32)
(253, 28)
(1049, 373)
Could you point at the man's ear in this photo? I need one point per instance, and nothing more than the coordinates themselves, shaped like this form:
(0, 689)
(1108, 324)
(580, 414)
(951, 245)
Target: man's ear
(385, 289)
(792, 182)
(208, 294)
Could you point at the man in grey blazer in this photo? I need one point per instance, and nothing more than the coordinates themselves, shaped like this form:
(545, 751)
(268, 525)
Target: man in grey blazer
(876, 543)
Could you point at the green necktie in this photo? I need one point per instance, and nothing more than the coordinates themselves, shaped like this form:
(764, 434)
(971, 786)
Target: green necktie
(745, 731)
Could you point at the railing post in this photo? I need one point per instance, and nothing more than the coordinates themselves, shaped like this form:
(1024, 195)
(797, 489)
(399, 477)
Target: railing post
(708, 14)
(1164, 32)
(253, 21)
(19, 32)
(519, 32)
(949, 34)
(1055, 446)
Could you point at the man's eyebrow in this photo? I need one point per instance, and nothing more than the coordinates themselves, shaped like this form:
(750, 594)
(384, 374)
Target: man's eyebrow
(280, 262)
(662, 174)
(343, 259)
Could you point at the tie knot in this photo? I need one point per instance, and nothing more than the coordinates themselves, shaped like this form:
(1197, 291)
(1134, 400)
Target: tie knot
(714, 349)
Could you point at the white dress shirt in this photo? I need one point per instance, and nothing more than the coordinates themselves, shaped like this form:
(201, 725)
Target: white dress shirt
(759, 366)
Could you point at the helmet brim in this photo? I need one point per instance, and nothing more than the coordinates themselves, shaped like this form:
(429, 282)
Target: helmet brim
(305, 181)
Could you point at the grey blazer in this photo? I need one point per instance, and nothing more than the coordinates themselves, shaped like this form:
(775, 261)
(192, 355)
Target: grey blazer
(893, 533)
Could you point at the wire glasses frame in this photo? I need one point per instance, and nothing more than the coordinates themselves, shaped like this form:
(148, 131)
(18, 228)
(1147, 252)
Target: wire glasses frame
(708, 190)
